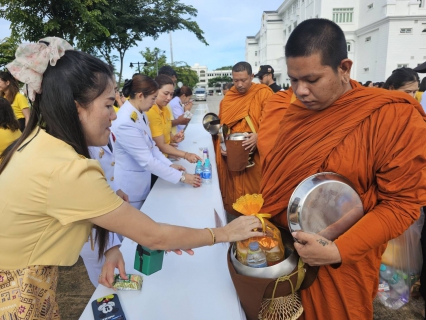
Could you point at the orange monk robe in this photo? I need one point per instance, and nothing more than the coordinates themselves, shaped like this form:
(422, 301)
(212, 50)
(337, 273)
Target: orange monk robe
(272, 114)
(233, 109)
(375, 138)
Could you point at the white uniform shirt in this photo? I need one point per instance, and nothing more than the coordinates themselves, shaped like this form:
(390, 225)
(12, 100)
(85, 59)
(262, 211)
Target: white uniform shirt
(178, 110)
(106, 158)
(137, 156)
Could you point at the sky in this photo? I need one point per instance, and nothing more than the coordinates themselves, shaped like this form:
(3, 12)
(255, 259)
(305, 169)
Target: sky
(226, 24)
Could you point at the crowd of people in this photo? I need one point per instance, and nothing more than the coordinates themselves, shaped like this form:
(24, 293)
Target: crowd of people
(86, 157)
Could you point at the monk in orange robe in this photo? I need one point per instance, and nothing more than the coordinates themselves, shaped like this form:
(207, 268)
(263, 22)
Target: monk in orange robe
(374, 138)
(272, 114)
(245, 98)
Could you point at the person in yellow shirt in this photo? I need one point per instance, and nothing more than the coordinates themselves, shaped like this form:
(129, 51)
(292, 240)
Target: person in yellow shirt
(9, 89)
(160, 123)
(65, 191)
(9, 126)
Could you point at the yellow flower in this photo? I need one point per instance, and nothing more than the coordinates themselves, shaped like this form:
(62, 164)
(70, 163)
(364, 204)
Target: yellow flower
(134, 116)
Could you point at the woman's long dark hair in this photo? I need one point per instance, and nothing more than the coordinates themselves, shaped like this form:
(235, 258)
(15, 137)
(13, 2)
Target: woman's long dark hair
(400, 77)
(139, 83)
(184, 90)
(7, 117)
(77, 77)
(13, 88)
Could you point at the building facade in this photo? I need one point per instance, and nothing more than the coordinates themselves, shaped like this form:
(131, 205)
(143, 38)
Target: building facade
(381, 35)
(204, 75)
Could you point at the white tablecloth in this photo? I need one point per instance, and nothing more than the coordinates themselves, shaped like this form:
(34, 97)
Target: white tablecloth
(195, 287)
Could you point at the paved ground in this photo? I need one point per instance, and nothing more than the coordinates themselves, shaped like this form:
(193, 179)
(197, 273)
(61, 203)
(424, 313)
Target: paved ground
(75, 288)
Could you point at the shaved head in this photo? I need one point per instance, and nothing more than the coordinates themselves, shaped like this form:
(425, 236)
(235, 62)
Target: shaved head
(318, 36)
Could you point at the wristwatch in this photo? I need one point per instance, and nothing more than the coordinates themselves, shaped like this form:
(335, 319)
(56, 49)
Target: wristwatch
(182, 178)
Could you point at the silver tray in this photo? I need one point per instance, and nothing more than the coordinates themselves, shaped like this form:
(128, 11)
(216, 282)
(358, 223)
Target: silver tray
(325, 203)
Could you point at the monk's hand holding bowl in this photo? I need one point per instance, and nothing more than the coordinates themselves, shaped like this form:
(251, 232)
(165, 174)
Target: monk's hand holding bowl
(250, 141)
(316, 250)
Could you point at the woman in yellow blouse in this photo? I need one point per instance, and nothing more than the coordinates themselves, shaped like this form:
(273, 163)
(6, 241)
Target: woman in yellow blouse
(9, 89)
(160, 122)
(9, 126)
(65, 192)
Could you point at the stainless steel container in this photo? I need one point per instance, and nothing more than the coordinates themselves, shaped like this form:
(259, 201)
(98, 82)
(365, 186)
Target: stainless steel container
(237, 136)
(324, 203)
(211, 123)
(280, 269)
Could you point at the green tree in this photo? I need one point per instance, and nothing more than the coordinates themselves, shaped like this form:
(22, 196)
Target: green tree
(147, 18)
(217, 81)
(32, 20)
(185, 74)
(8, 48)
(225, 68)
(99, 26)
(154, 60)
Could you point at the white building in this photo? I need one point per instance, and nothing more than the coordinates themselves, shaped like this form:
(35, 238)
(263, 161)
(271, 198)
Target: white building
(204, 75)
(382, 35)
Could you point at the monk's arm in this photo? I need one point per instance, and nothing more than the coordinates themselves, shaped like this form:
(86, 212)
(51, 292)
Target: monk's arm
(401, 188)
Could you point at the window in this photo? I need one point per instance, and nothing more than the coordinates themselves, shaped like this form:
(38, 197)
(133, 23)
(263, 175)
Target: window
(343, 15)
(424, 30)
(370, 6)
(255, 64)
(289, 29)
(368, 39)
(406, 30)
(348, 46)
(255, 53)
(366, 69)
(402, 65)
(295, 24)
(203, 80)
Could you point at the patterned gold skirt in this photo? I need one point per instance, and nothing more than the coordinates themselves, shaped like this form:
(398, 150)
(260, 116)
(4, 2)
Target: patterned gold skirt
(29, 293)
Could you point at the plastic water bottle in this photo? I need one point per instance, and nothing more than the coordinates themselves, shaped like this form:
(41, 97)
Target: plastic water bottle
(400, 286)
(198, 169)
(386, 273)
(206, 176)
(256, 258)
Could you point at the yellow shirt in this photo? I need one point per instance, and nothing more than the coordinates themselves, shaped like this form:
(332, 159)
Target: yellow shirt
(7, 136)
(19, 103)
(47, 193)
(116, 109)
(160, 122)
(172, 117)
(418, 96)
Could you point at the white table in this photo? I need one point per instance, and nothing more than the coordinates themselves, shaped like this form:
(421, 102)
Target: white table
(195, 287)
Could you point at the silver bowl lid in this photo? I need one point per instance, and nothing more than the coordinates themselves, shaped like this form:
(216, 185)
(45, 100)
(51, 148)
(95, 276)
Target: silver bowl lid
(324, 203)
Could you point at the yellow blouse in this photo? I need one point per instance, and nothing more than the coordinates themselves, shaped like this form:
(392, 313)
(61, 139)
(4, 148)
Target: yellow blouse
(160, 122)
(19, 103)
(47, 193)
(7, 136)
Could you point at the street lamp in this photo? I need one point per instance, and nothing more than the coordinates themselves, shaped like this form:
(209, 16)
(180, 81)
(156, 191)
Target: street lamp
(138, 63)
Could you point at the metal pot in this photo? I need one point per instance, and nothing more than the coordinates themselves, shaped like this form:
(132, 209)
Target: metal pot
(211, 123)
(237, 136)
(325, 203)
(280, 269)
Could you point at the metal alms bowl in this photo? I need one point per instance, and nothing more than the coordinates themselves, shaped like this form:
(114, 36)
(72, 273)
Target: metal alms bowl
(237, 136)
(280, 269)
(325, 203)
(211, 123)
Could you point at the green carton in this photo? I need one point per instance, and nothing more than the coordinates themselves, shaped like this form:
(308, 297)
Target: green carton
(148, 261)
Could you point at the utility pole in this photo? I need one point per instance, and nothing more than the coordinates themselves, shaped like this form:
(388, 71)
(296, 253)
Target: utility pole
(171, 48)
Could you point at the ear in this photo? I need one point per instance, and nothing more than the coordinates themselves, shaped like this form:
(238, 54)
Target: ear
(252, 76)
(345, 69)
